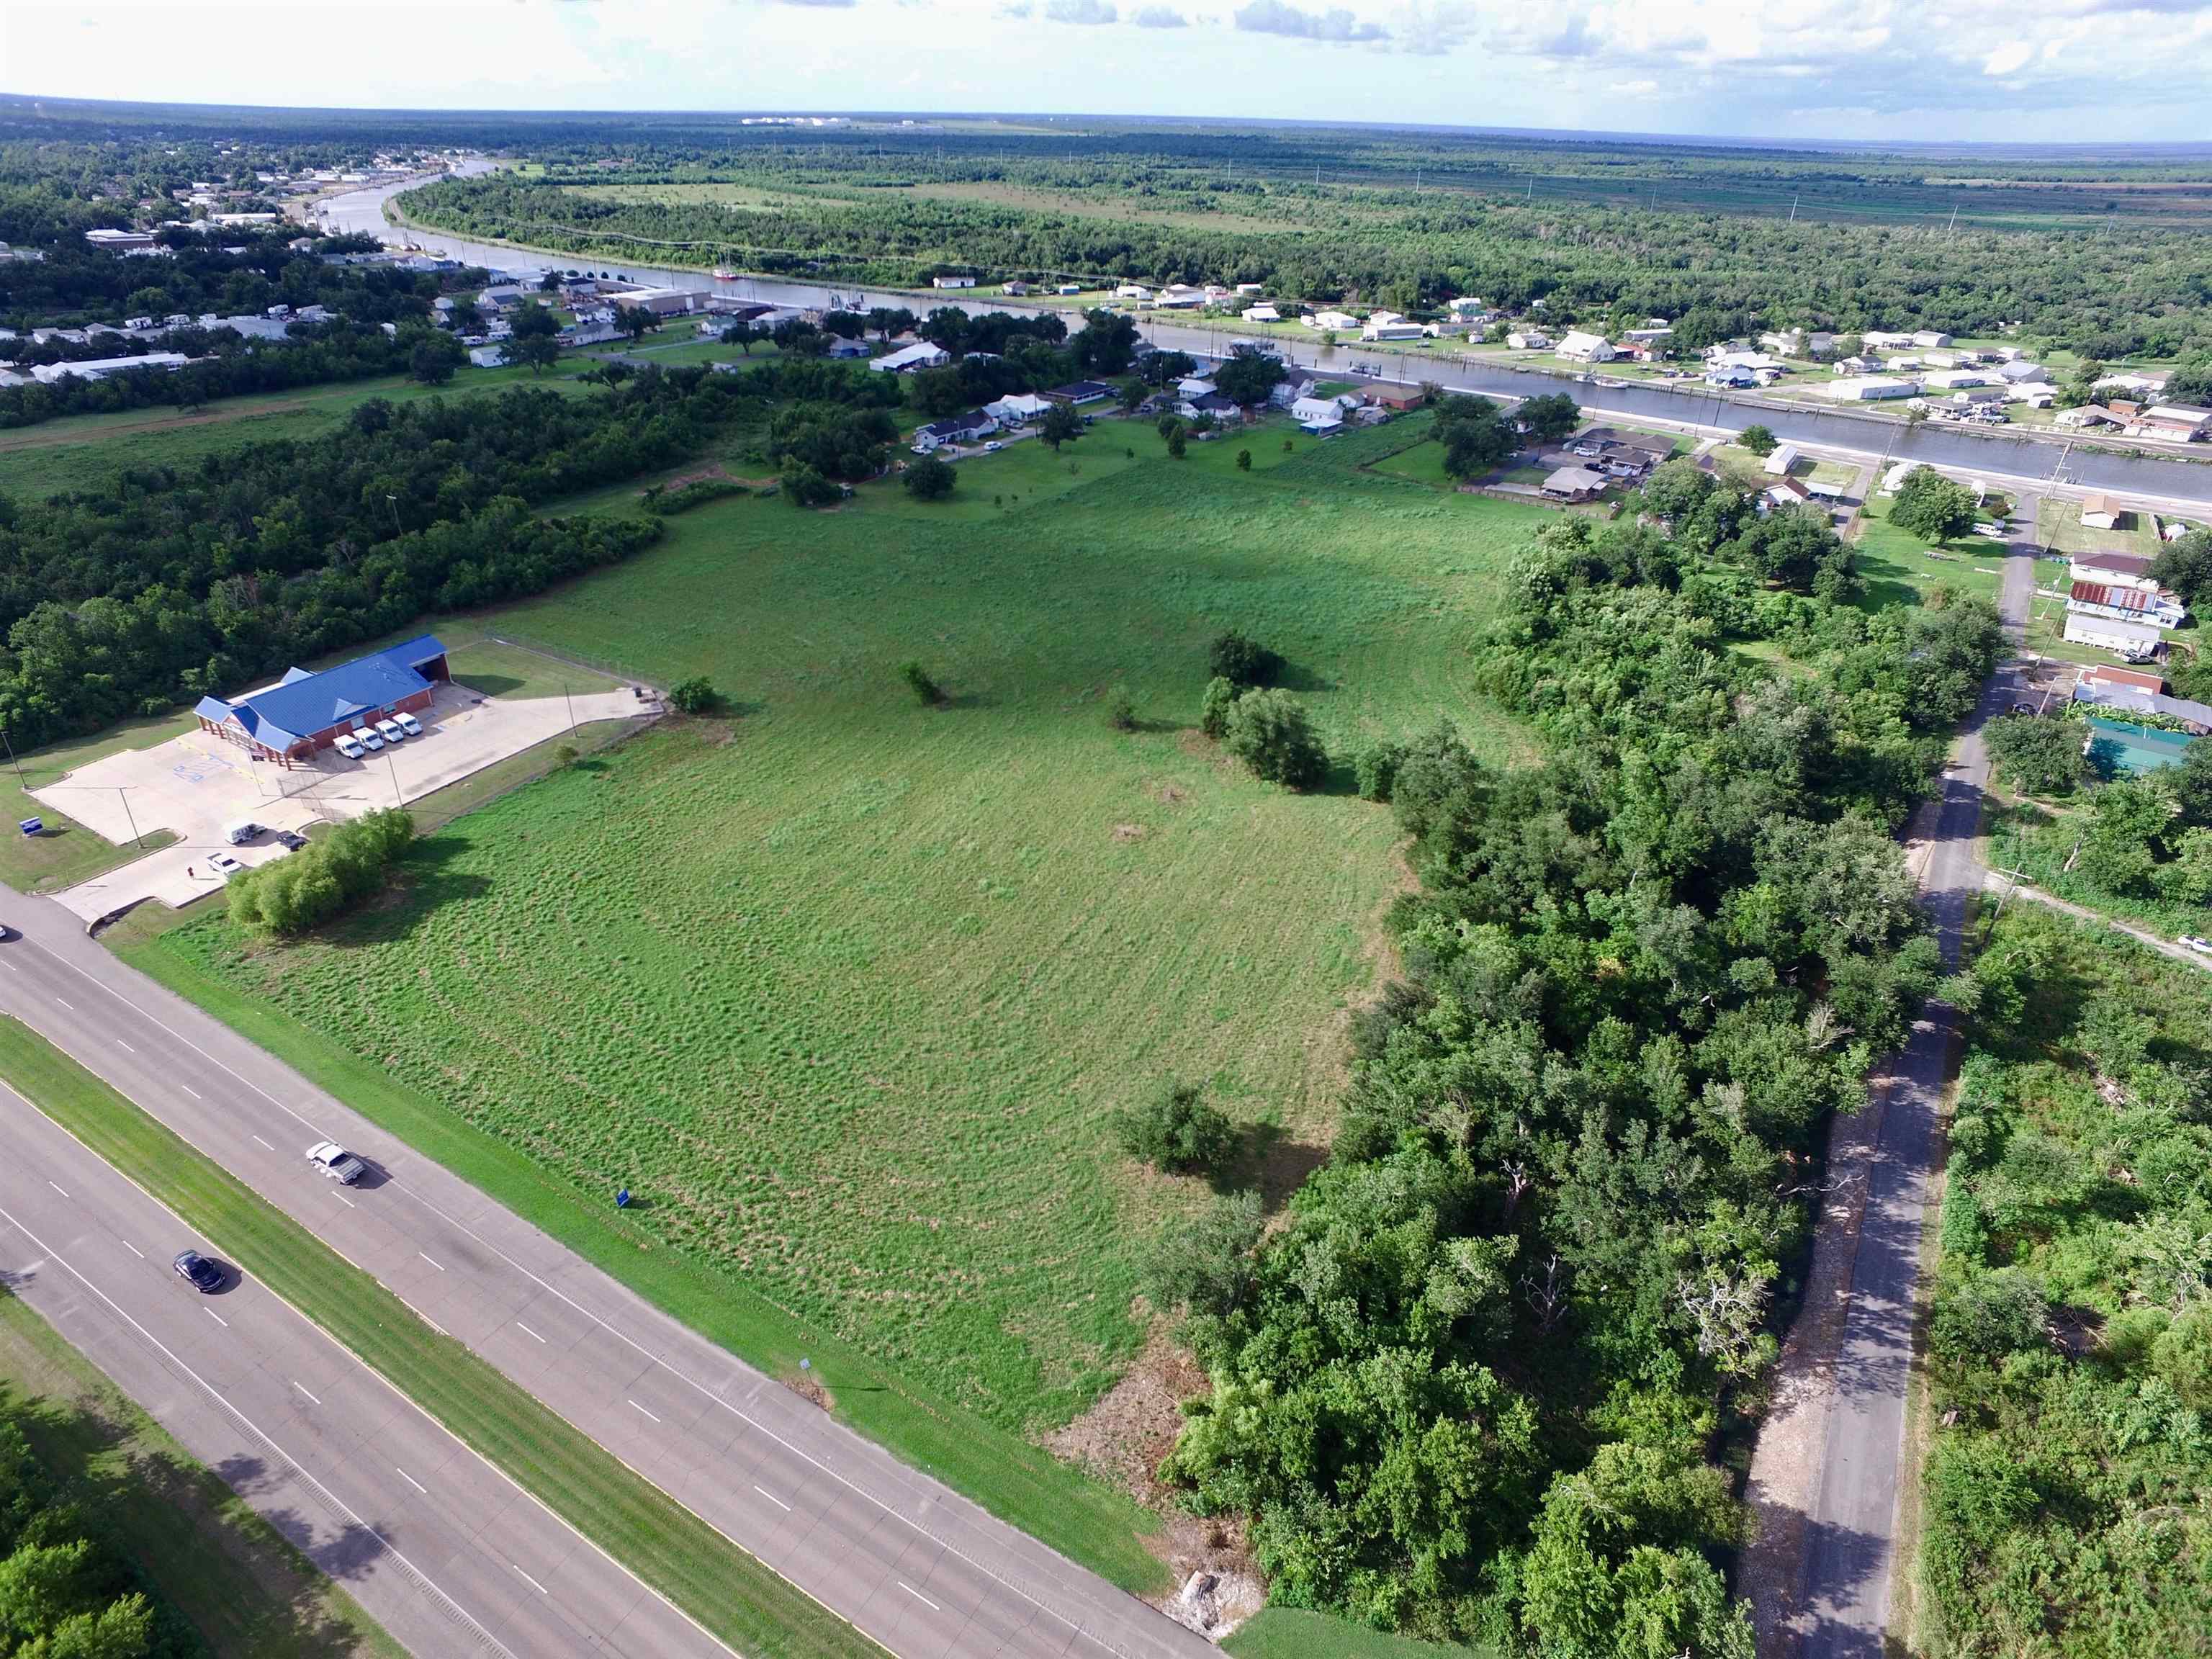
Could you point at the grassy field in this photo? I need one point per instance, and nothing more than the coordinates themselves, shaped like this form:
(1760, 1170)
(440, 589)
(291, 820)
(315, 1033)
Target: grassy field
(846, 987)
(730, 1594)
(246, 1590)
(2058, 526)
(85, 450)
(1899, 570)
(1291, 1633)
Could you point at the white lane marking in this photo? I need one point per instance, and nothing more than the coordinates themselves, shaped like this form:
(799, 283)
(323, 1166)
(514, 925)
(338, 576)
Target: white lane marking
(9, 966)
(343, 1198)
(217, 1317)
(752, 1422)
(526, 1331)
(58, 1188)
(189, 1089)
(67, 1004)
(125, 1046)
(302, 1387)
(527, 1578)
(411, 1480)
(433, 1263)
(919, 1596)
(248, 1424)
(773, 1498)
(263, 1142)
(133, 1248)
(642, 1409)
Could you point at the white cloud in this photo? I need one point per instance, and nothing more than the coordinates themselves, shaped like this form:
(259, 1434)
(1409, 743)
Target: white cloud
(1278, 17)
(2008, 57)
(1160, 17)
(1080, 11)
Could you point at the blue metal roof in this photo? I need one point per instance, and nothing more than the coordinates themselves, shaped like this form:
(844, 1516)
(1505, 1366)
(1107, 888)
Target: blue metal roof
(304, 703)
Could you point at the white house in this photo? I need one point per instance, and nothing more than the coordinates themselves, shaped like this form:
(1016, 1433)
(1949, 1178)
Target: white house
(1952, 380)
(1735, 375)
(1262, 315)
(1869, 388)
(1317, 413)
(2112, 570)
(2177, 421)
(1778, 463)
(1182, 296)
(1874, 339)
(1333, 322)
(952, 281)
(1296, 383)
(1584, 347)
(2089, 414)
(1529, 339)
(488, 356)
(963, 427)
(1132, 291)
(1469, 311)
(2100, 512)
(1196, 386)
(1931, 336)
(2133, 642)
(1401, 329)
(1017, 408)
(906, 359)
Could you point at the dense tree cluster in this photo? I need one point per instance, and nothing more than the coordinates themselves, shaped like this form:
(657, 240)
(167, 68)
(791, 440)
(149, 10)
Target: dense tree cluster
(334, 872)
(169, 583)
(1471, 1386)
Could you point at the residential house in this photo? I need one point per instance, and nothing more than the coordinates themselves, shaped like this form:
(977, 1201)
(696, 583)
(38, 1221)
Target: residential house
(1194, 386)
(1856, 365)
(2100, 513)
(1017, 288)
(1181, 296)
(2118, 688)
(488, 356)
(908, 359)
(1953, 379)
(1734, 375)
(120, 242)
(1254, 288)
(1132, 291)
(1654, 334)
(2136, 604)
(842, 350)
(2182, 423)
(1295, 383)
(1874, 339)
(1017, 408)
(1395, 397)
(2133, 679)
(2130, 642)
(1401, 328)
(964, 427)
(2143, 382)
(2015, 371)
(1080, 391)
(1931, 336)
(1333, 322)
(2089, 415)
(1069, 288)
(1529, 339)
(1869, 388)
(1319, 416)
(1578, 345)
(659, 301)
(1575, 483)
(1471, 314)
(2112, 570)
(1262, 314)
(952, 281)
(1788, 492)
(1226, 411)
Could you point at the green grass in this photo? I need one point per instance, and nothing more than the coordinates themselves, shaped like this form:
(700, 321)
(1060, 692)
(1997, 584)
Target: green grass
(67, 851)
(1898, 570)
(1424, 463)
(233, 1577)
(2038, 839)
(1291, 1633)
(848, 988)
(2059, 527)
(732, 1595)
(502, 669)
(85, 451)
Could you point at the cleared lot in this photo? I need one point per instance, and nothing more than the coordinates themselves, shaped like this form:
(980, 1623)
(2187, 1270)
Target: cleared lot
(195, 784)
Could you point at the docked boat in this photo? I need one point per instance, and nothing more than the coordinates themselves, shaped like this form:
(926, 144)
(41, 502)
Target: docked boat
(722, 274)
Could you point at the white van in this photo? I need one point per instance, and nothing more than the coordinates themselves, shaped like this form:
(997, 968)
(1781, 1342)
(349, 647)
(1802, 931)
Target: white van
(241, 832)
(349, 748)
(366, 739)
(391, 730)
(409, 724)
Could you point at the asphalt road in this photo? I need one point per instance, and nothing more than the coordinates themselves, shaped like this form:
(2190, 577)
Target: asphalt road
(445, 1551)
(1850, 1535)
(920, 1568)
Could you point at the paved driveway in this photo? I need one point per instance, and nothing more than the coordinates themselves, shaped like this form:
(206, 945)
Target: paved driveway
(195, 785)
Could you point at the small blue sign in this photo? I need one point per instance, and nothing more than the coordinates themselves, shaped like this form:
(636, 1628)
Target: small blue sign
(32, 826)
(621, 1199)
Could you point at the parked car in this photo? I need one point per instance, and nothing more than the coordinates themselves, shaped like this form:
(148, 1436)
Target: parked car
(224, 866)
(334, 1161)
(2191, 942)
(391, 730)
(6, 931)
(241, 832)
(993, 447)
(195, 1270)
(366, 739)
(349, 748)
(409, 724)
(290, 840)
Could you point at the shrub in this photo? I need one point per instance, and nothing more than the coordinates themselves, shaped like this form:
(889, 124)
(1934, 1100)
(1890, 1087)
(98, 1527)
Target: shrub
(1243, 460)
(930, 479)
(1269, 732)
(2038, 757)
(1242, 660)
(1377, 770)
(664, 503)
(1121, 709)
(1204, 1262)
(696, 696)
(1178, 446)
(927, 691)
(1989, 1316)
(291, 894)
(1175, 1130)
(1213, 709)
(805, 486)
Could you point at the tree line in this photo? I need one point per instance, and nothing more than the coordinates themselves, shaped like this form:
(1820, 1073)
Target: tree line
(1474, 1386)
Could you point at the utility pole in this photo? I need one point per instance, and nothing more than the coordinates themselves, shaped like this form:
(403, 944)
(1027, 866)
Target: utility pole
(1793, 208)
(397, 799)
(571, 701)
(12, 760)
(1954, 220)
(124, 796)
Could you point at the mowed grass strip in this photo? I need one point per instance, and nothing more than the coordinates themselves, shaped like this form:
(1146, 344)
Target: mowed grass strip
(729, 1593)
(236, 1579)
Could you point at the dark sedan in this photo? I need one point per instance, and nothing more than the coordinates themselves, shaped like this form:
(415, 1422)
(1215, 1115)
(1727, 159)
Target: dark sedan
(197, 1270)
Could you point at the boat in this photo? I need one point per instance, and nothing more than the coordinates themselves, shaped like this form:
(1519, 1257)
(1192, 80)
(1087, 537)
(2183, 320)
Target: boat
(723, 274)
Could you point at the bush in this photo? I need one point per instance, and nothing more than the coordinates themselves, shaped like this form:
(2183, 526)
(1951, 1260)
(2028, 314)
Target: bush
(664, 503)
(1121, 709)
(927, 691)
(805, 486)
(291, 894)
(2038, 757)
(1988, 1317)
(1177, 1132)
(696, 696)
(1377, 770)
(1204, 1262)
(1269, 732)
(1242, 660)
(930, 479)
(1214, 707)
(1243, 460)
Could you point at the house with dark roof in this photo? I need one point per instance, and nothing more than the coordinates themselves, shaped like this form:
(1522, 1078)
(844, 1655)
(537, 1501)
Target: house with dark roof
(303, 712)
(961, 429)
(1080, 392)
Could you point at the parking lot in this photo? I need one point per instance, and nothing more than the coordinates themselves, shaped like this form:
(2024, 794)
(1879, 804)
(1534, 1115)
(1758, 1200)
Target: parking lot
(197, 785)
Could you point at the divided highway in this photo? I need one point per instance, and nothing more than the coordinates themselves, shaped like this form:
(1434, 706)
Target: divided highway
(918, 1568)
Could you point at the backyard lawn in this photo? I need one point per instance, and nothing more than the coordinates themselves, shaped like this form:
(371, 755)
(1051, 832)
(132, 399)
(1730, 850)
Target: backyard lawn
(1899, 568)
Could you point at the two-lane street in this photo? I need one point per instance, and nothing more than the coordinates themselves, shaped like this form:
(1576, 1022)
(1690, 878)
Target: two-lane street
(915, 1565)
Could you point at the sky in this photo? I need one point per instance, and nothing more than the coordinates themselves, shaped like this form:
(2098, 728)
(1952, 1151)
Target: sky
(2009, 70)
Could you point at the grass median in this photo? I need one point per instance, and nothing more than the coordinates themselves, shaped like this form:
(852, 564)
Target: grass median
(742, 1601)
